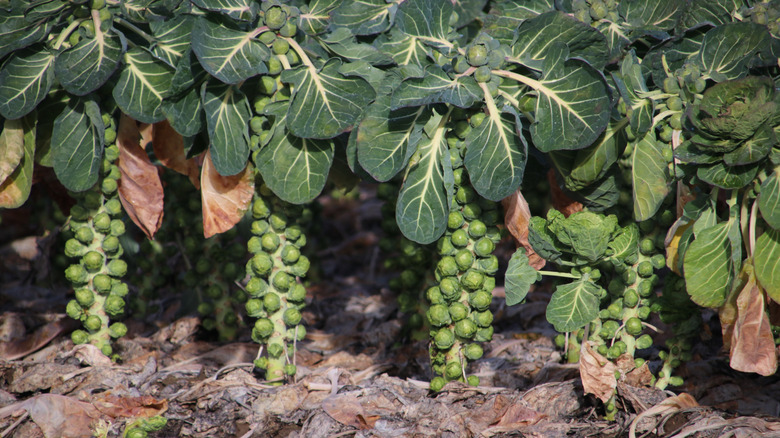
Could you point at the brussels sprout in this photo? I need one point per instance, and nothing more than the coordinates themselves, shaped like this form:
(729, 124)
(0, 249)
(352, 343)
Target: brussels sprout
(465, 328)
(288, 30)
(471, 211)
(484, 247)
(262, 264)
(473, 380)
(438, 315)
(447, 266)
(630, 298)
(484, 318)
(472, 280)
(102, 222)
(616, 309)
(634, 326)
(79, 337)
(489, 265)
(458, 311)
(74, 310)
(254, 307)
(102, 283)
(647, 246)
(609, 329)
(296, 294)
(459, 238)
(480, 300)
(278, 221)
(293, 232)
(256, 287)
(291, 317)
(271, 302)
(290, 254)
(645, 288)
(275, 350)
(261, 362)
(282, 281)
(453, 371)
(290, 369)
(109, 186)
(280, 46)
(450, 288)
(489, 284)
(297, 333)
(270, 242)
(93, 261)
(434, 295)
(477, 55)
(437, 383)
(84, 297)
(76, 274)
(205, 309)
(93, 323)
(117, 330)
(644, 341)
(444, 339)
(301, 267)
(464, 258)
(84, 235)
(263, 328)
(110, 245)
(629, 276)
(473, 351)
(484, 334)
(643, 312)
(114, 305)
(117, 268)
(477, 229)
(275, 17)
(645, 268)
(483, 74)
(74, 248)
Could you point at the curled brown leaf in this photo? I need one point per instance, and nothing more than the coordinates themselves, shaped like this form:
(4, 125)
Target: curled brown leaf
(169, 149)
(597, 373)
(225, 198)
(560, 201)
(752, 344)
(516, 218)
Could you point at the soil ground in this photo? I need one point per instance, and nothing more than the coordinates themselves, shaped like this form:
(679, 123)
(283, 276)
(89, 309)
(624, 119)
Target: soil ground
(357, 376)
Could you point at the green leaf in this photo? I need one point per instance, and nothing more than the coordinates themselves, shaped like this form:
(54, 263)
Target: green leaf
(142, 85)
(583, 167)
(227, 118)
(727, 177)
(650, 177)
(505, 16)
(325, 103)
(239, 9)
(144, 11)
(599, 195)
(573, 107)
(675, 52)
(435, 86)
(542, 240)
(766, 261)
(85, 67)
(404, 49)
(688, 152)
(15, 189)
(77, 144)
(341, 42)
(386, 138)
(536, 35)
(496, 153)
(769, 199)
(716, 12)
(25, 79)
(631, 84)
(727, 50)
(185, 113)
(573, 305)
(754, 149)
(707, 266)
(227, 52)
(189, 74)
(363, 17)
(625, 244)
(423, 203)
(11, 147)
(468, 11)
(296, 169)
(16, 33)
(317, 19)
(519, 278)
(40, 10)
(649, 15)
(173, 38)
(427, 20)
(53, 104)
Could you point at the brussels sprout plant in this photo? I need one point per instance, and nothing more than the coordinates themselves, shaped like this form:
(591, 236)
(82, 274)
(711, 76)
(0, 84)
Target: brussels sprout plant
(658, 120)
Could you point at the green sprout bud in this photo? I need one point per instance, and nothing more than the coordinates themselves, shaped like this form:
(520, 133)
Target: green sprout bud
(214, 292)
(256, 287)
(275, 350)
(434, 295)
(114, 305)
(643, 313)
(645, 288)
(455, 220)
(480, 300)
(465, 328)
(634, 326)
(92, 200)
(110, 244)
(296, 333)
(205, 309)
(290, 369)
(484, 247)
(262, 264)
(450, 288)
(296, 294)
(93, 323)
(437, 383)
(74, 248)
(282, 281)
(458, 311)
(117, 330)
(473, 380)
(275, 17)
(462, 128)
(84, 297)
(484, 318)
(261, 362)
(270, 242)
(464, 258)
(117, 227)
(472, 280)
(484, 334)
(453, 371)
(74, 310)
(291, 317)
(477, 55)
(464, 195)
(477, 229)
(630, 298)
(260, 209)
(444, 339)
(489, 265)
(271, 302)
(84, 235)
(113, 207)
(76, 274)
(459, 238)
(109, 186)
(447, 266)
(280, 46)
(644, 341)
(93, 261)
(256, 124)
(266, 38)
(263, 328)
(102, 283)
(438, 315)
(301, 267)
(254, 307)
(471, 211)
(609, 329)
(408, 278)
(293, 232)
(473, 351)
(645, 269)
(483, 74)
(278, 221)
(290, 254)
(288, 30)
(79, 337)
(117, 268)
(102, 222)
(629, 276)
(647, 246)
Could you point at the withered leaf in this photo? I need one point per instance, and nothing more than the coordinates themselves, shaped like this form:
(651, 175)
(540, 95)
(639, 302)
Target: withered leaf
(168, 147)
(516, 218)
(140, 188)
(597, 373)
(560, 201)
(225, 198)
(347, 410)
(752, 343)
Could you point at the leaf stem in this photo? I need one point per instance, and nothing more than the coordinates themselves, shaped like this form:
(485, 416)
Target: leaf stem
(752, 229)
(559, 274)
(66, 33)
(305, 60)
(138, 31)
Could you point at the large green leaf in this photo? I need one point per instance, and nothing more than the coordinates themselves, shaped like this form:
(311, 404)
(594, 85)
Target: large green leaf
(427, 20)
(582, 167)
(467, 10)
(238, 9)
(435, 86)
(39, 10)
(650, 176)
(386, 138)
(423, 203)
(185, 112)
(707, 266)
(727, 177)
(506, 15)
(534, 36)
(142, 85)
(227, 118)
(710, 11)
(598, 196)
(766, 261)
(769, 199)
(86, 66)
(16, 32)
(325, 103)
(673, 53)
(25, 79)
(189, 74)
(649, 15)
(227, 52)
(341, 42)
(625, 244)
(173, 38)
(631, 84)
(363, 17)
(77, 144)
(15, 189)
(754, 149)
(727, 50)
(542, 240)
(519, 278)
(496, 152)
(54, 103)
(573, 105)
(404, 49)
(573, 305)
(317, 19)
(295, 168)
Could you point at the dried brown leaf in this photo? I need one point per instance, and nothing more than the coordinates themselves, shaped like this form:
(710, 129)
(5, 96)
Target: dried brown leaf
(560, 201)
(225, 198)
(597, 373)
(516, 218)
(347, 410)
(752, 344)
(666, 407)
(58, 415)
(169, 149)
(22, 347)
(130, 407)
(140, 188)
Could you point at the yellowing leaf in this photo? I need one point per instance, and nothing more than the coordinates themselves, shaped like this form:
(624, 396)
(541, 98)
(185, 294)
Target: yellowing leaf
(11, 147)
(140, 188)
(15, 188)
(672, 243)
(752, 343)
(225, 198)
